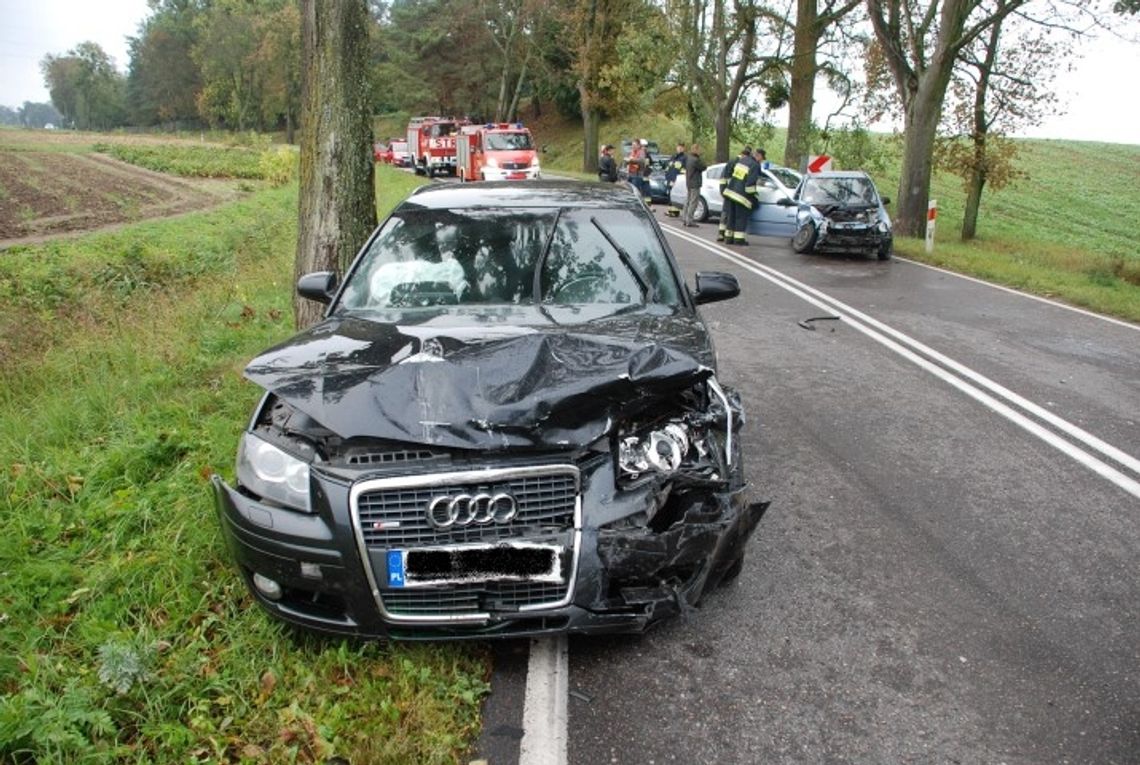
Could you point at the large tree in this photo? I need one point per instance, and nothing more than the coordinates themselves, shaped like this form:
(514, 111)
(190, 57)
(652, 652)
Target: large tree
(1002, 84)
(86, 87)
(812, 23)
(593, 26)
(727, 48)
(164, 80)
(920, 41)
(338, 204)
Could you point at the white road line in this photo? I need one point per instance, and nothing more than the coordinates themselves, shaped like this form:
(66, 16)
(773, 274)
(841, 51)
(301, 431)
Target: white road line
(1019, 293)
(864, 324)
(544, 740)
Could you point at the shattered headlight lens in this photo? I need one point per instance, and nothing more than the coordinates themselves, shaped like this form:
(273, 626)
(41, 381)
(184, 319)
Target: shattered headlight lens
(659, 451)
(273, 474)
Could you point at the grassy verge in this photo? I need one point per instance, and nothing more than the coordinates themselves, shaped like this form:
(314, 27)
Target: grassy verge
(1063, 232)
(125, 635)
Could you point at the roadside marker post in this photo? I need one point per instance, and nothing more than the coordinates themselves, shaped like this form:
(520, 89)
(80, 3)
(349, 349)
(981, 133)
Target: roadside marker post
(931, 214)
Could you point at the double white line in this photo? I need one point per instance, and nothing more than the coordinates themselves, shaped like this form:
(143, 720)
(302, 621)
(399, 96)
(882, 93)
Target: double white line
(978, 387)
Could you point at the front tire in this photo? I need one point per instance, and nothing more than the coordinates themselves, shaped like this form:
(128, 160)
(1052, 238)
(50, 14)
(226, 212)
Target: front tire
(803, 241)
(886, 250)
(462, 176)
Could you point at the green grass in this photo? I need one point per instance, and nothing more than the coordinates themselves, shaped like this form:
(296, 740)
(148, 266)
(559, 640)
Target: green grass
(192, 161)
(1064, 232)
(125, 633)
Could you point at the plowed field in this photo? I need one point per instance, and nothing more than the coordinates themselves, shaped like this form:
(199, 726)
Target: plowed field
(44, 194)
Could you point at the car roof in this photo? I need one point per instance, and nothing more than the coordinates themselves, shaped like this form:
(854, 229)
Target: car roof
(516, 194)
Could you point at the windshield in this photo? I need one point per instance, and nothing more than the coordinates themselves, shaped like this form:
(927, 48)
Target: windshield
(855, 191)
(786, 177)
(489, 257)
(508, 141)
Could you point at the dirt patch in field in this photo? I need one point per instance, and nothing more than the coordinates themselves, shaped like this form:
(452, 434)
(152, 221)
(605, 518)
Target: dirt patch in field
(46, 194)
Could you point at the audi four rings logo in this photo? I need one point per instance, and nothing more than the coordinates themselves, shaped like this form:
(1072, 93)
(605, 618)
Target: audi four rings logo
(471, 509)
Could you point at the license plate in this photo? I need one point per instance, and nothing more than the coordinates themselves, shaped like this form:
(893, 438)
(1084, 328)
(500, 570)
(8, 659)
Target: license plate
(516, 176)
(504, 562)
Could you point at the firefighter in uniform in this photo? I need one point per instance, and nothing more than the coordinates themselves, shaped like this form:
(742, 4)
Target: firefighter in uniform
(738, 188)
(675, 167)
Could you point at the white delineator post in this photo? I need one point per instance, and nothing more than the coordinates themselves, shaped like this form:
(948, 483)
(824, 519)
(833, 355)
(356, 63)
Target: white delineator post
(931, 214)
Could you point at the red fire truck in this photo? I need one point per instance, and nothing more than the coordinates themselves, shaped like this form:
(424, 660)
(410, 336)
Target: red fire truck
(496, 152)
(431, 144)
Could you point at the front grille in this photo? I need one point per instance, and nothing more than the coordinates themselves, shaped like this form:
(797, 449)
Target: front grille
(396, 516)
(515, 165)
(465, 599)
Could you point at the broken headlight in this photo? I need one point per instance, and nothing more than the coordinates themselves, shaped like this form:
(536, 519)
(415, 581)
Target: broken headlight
(659, 451)
(272, 473)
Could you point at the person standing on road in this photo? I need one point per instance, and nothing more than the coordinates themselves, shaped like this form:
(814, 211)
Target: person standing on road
(607, 167)
(636, 167)
(694, 175)
(739, 196)
(675, 167)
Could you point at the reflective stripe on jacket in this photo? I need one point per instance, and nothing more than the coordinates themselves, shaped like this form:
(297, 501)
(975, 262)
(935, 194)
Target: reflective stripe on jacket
(743, 177)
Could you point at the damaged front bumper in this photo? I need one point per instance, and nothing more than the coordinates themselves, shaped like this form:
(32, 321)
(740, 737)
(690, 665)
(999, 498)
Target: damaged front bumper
(625, 558)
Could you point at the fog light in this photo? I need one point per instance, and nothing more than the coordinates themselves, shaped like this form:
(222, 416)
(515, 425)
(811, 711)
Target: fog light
(267, 587)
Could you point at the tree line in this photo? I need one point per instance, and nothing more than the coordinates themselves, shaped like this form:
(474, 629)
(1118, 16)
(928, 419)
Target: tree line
(959, 75)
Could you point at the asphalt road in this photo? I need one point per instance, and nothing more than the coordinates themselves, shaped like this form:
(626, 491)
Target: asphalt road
(944, 576)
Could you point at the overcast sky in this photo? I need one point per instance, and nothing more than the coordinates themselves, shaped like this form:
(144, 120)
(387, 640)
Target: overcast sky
(1099, 95)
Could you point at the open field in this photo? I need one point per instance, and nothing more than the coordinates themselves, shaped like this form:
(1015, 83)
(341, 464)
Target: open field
(58, 182)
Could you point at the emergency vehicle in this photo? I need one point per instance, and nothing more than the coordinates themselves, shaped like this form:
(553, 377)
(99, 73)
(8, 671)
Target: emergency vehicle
(431, 144)
(496, 152)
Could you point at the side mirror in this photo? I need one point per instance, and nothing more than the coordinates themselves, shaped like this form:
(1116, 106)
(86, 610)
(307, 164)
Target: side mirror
(886, 201)
(715, 285)
(319, 286)
(786, 202)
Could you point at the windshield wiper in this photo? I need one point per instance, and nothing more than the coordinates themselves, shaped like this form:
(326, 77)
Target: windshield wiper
(542, 258)
(647, 292)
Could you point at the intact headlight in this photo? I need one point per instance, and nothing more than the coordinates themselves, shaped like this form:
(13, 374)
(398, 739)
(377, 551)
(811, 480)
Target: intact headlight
(272, 473)
(492, 162)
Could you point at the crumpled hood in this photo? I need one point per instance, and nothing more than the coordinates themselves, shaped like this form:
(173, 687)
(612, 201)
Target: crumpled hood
(484, 385)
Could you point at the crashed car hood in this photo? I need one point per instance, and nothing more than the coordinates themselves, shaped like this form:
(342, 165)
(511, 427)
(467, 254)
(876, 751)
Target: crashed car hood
(516, 378)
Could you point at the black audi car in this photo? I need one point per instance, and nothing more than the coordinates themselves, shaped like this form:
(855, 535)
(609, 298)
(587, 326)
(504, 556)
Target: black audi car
(508, 423)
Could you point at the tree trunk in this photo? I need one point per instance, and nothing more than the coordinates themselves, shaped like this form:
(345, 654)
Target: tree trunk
(337, 197)
(591, 119)
(801, 96)
(973, 203)
(723, 131)
(918, 150)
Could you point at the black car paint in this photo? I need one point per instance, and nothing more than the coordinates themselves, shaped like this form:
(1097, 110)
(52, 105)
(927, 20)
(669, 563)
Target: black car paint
(512, 388)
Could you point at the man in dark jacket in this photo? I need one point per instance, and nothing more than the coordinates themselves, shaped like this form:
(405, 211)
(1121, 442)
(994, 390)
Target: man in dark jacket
(739, 191)
(694, 175)
(607, 167)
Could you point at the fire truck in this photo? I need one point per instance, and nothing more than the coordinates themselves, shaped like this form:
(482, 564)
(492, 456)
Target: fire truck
(431, 144)
(496, 152)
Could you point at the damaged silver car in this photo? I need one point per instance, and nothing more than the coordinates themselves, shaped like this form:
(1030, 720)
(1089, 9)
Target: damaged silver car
(841, 212)
(508, 423)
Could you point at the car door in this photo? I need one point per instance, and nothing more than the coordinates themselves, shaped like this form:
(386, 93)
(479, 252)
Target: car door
(770, 218)
(710, 188)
